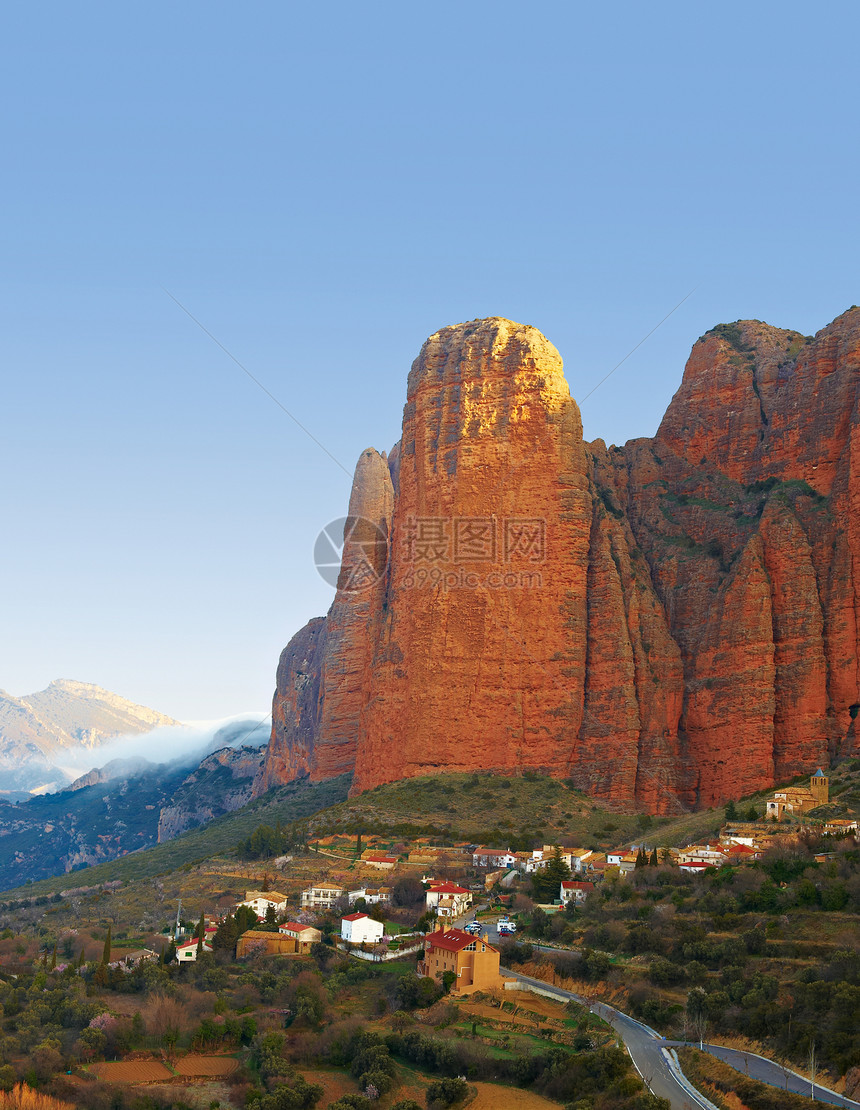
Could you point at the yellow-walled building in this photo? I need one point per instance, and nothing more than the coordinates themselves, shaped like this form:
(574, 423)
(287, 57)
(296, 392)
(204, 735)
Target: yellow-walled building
(473, 960)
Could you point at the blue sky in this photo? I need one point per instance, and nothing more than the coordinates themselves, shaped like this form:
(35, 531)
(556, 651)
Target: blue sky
(323, 186)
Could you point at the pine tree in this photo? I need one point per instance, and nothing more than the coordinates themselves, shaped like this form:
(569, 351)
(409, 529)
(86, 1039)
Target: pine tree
(731, 811)
(546, 882)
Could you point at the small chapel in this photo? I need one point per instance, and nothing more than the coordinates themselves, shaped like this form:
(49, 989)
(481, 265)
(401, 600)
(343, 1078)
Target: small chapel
(795, 800)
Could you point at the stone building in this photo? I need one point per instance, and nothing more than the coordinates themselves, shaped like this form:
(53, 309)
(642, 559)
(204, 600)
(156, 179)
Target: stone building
(796, 800)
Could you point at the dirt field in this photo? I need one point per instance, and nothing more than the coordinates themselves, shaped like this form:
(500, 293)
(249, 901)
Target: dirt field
(131, 1071)
(526, 1003)
(334, 1083)
(200, 1095)
(493, 1096)
(206, 1066)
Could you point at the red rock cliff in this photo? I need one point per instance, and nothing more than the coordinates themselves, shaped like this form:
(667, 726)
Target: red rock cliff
(670, 623)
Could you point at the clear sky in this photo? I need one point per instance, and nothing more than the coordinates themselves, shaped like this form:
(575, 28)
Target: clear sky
(323, 186)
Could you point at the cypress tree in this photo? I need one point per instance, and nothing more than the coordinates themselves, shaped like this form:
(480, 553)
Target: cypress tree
(201, 933)
(106, 950)
(654, 861)
(54, 958)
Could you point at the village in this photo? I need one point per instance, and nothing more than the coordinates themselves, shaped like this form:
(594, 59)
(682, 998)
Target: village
(453, 905)
(496, 953)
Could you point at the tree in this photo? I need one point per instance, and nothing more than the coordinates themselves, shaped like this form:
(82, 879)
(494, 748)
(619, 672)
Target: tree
(696, 1013)
(406, 892)
(641, 858)
(752, 815)
(106, 949)
(201, 933)
(546, 881)
(731, 811)
(54, 958)
(654, 861)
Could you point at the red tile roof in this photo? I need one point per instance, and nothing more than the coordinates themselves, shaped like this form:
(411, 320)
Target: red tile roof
(447, 888)
(576, 885)
(454, 940)
(294, 927)
(356, 916)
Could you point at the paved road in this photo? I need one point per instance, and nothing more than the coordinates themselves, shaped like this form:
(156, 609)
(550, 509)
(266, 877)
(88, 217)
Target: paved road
(774, 1074)
(655, 1062)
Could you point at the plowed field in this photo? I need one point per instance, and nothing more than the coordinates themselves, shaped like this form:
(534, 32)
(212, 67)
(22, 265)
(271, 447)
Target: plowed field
(131, 1071)
(208, 1066)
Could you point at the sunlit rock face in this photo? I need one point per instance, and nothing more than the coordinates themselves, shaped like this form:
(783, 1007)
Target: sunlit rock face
(670, 623)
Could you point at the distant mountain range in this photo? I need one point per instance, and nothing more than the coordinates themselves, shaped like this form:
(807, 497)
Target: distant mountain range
(55, 816)
(36, 730)
(126, 805)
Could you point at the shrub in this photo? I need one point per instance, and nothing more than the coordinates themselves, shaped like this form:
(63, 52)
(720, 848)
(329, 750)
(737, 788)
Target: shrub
(445, 1092)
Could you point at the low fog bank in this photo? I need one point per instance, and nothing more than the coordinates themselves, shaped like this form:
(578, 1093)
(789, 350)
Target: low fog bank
(175, 744)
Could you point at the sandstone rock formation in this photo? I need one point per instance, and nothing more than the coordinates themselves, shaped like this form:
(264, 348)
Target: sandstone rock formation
(670, 623)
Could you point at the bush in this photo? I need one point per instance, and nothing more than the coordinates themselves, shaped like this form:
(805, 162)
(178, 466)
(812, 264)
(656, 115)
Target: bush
(445, 1092)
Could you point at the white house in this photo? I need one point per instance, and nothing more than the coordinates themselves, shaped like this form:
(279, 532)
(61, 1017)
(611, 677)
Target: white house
(373, 895)
(322, 896)
(358, 928)
(187, 953)
(448, 899)
(260, 900)
(695, 867)
(495, 858)
(702, 853)
(579, 858)
(575, 891)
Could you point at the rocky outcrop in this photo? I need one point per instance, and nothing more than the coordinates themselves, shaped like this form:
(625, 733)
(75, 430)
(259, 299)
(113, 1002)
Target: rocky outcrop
(291, 751)
(222, 782)
(670, 623)
(480, 657)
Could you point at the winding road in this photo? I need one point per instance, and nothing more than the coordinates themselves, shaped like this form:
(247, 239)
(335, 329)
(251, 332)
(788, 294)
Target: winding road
(657, 1062)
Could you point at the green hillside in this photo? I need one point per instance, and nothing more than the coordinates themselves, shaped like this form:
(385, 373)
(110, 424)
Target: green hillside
(288, 803)
(513, 812)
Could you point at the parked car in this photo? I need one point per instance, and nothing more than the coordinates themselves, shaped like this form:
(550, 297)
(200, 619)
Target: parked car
(474, 927)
